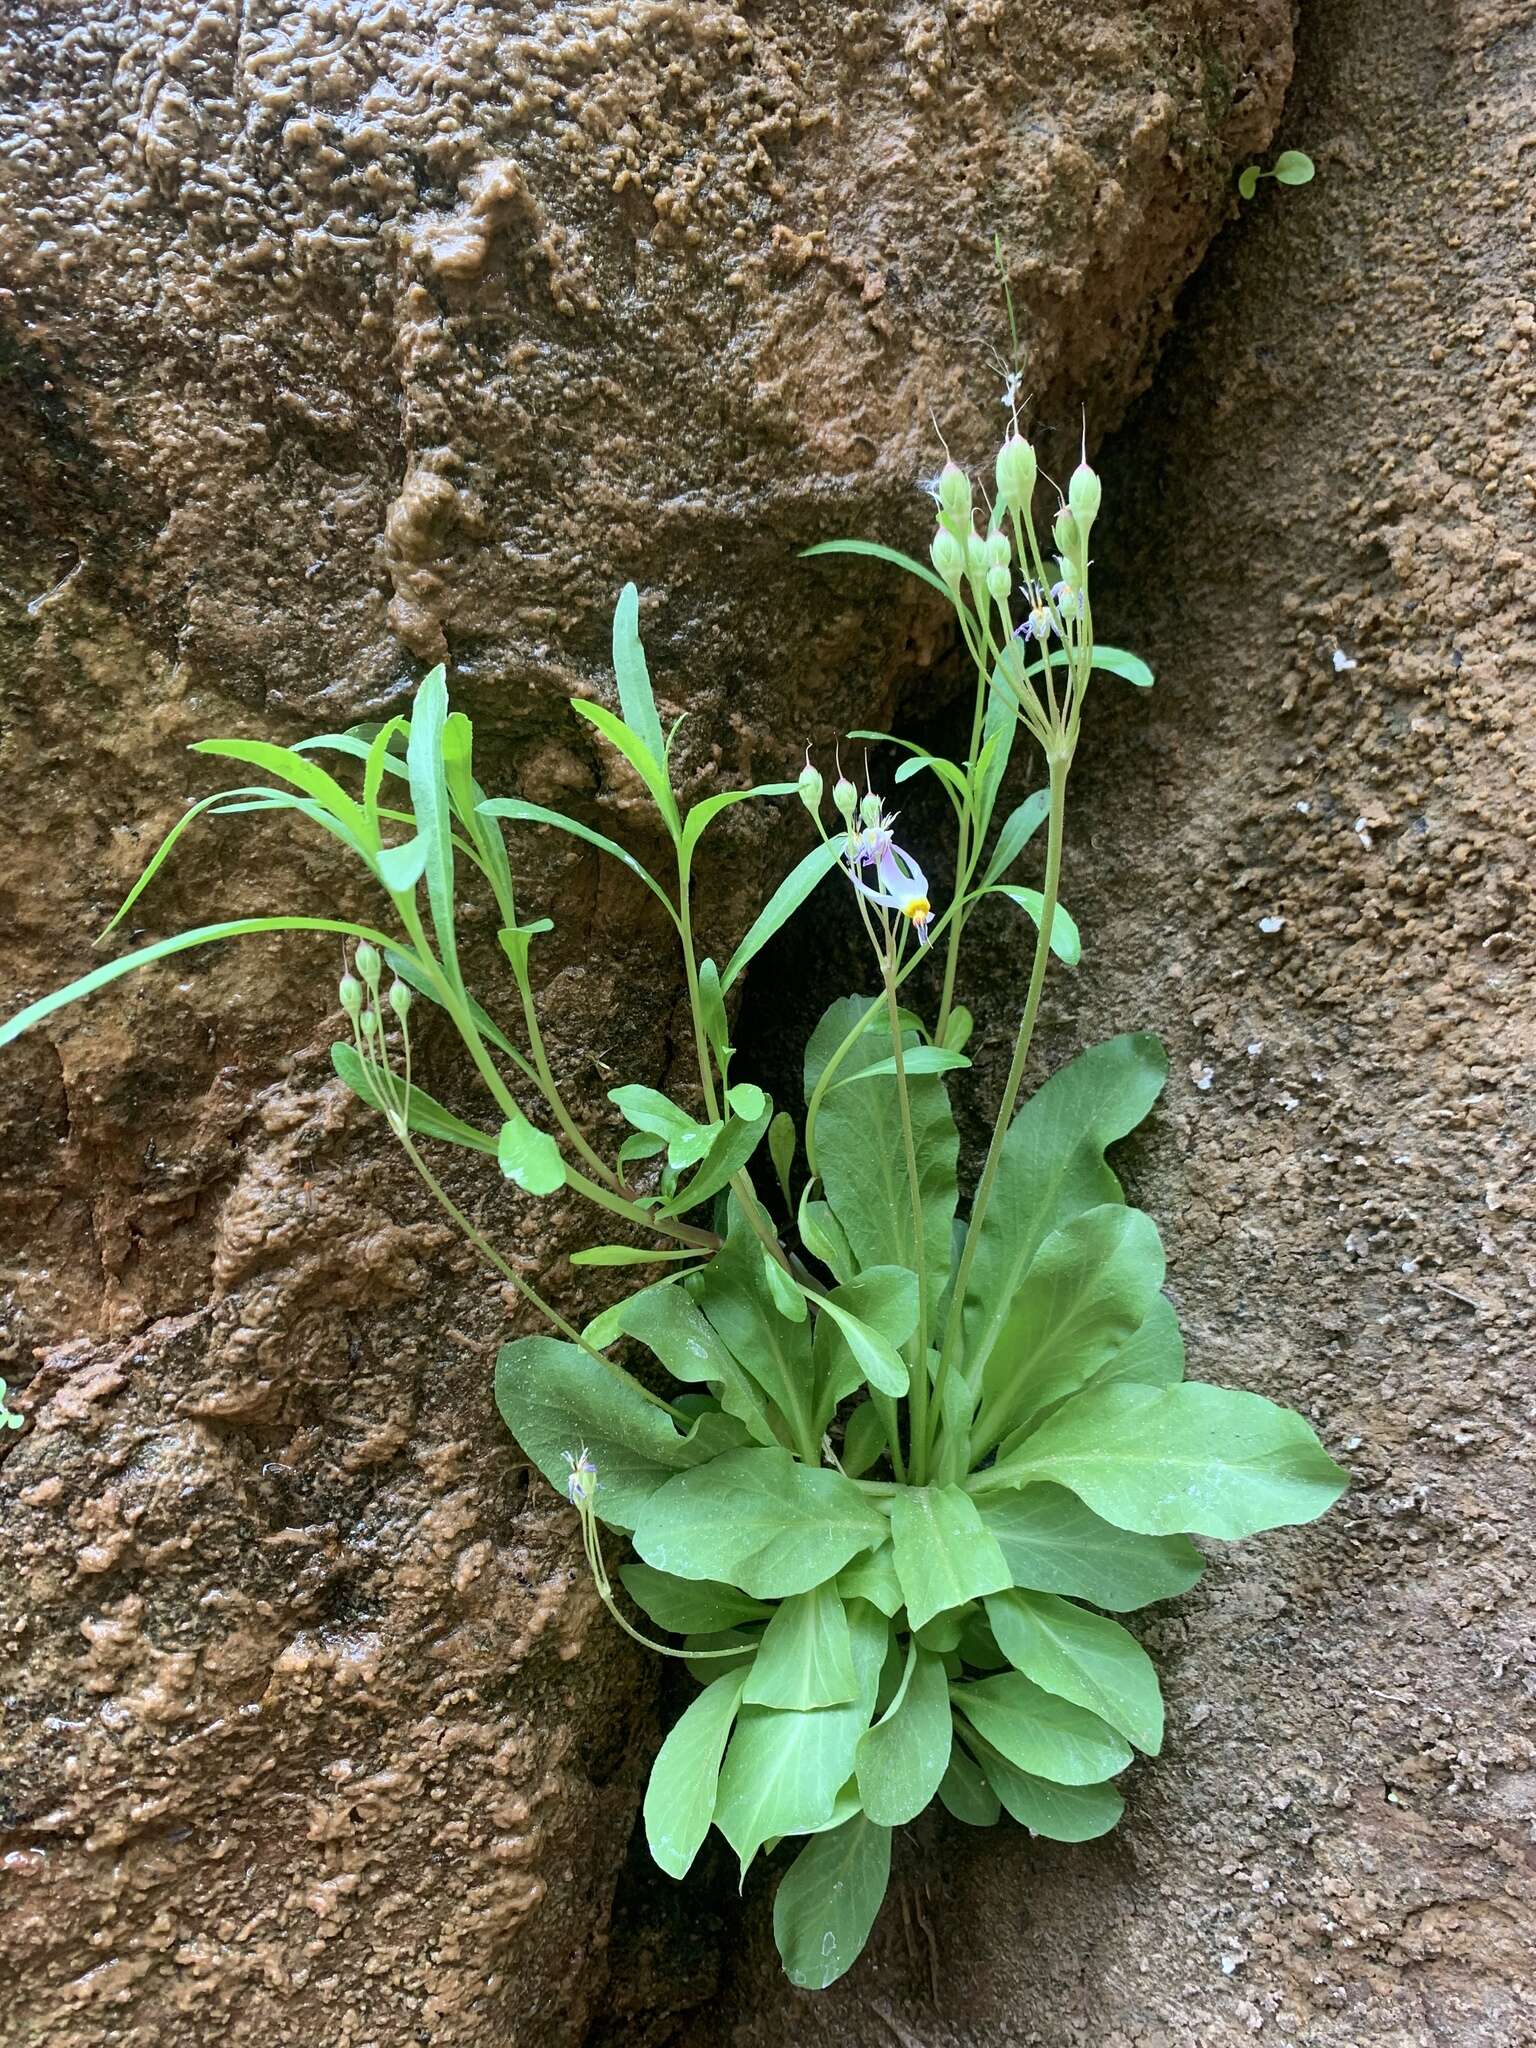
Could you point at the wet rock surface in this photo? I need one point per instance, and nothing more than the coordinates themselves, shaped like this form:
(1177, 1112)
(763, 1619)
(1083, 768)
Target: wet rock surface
(336, 341)
(1304, 858)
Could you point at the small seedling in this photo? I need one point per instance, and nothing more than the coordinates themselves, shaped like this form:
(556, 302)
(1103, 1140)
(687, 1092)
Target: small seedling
(1290, 167)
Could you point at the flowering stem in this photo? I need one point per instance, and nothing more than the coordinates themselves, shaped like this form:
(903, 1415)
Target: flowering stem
(1058, 763)
(918, 1430)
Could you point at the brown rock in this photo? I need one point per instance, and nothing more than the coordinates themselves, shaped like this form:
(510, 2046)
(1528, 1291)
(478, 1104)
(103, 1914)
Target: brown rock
(336, 343)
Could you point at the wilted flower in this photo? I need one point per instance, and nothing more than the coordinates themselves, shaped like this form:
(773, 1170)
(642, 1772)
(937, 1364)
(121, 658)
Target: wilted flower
(582, 1483)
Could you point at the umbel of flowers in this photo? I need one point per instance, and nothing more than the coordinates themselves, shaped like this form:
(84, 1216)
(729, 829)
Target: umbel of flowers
(893, 1457)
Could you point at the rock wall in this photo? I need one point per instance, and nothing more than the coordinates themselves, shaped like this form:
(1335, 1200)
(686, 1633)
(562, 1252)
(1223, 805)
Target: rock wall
(338, 339)
(1304, 858)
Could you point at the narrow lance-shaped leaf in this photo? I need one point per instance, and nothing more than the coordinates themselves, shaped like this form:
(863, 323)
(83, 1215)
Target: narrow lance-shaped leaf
(423, 1113)
(782, 904)
(636, 700)
(515, 811)
(880, 553)
(179, 942)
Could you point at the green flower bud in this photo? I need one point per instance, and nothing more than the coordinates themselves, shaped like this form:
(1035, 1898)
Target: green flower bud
(1083, 495)
(948, 557)
(399, 999)
(351, 995)
(368, 1023)
(976, 555)
(368, 964)
(999, 583)
(810, 787)
(869, 809)
(1016, 472)
(1068, 540)
(999, 554)
(845, 799)
(954, 497)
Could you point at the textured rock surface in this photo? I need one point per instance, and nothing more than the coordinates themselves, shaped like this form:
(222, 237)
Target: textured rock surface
(335, 340)
(1335, 1848)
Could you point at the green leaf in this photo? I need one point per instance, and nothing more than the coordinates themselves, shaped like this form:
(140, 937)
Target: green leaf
(775, 1351)
(920, 1059)
(862, 1156)
(530, 1157)
(805, 1659)
(300, 772)
(759, 1519)
(225, 802)
(429, 800)
(781, 1150)
(784, 1289)
(872, 1354)
(517, 812)
(680, 1798)
(727, 1155)
(1062, 1813)
(648, 766)
(957, 1032)
(1066, 940)
(1037, 1732)
(1081, 1657)
(827, 1903)
(944, 1554)
(746, 1100)
(946, 771)
(630, 1255)
(1018, 828)
(1248, 180)
(965, 1792)
(1293, 167)
(1152, 1355)
(688, 1606)
(422, 1114)
(1129, 667)
(1088, 1289)
(782, 904)
(636, 700)
(179, 942)
(1190, 1457)
(1052, 1168)
(556, 1398)
(1053, 1544)
(784, 1770)
(704, 814)
(712, 1012)
(903, 1758)
(668, 1323)
(872, 1577)
(881, 553)
(649, 1110)
(822, 1235)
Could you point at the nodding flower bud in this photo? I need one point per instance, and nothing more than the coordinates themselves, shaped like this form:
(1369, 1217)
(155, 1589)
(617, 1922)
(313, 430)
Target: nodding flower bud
(999, 554)
(1016, 472)
(810, 786)
(954, 497)
(399, 999)
(1069, 542)
(976, 555)
(368, 963)
(845, 799)
(869, 809)
(351, 995)
(999, 582)
(948, 557)
(1083, 495)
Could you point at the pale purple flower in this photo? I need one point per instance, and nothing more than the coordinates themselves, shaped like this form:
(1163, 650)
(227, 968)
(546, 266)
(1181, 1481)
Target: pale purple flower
(902, 887)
